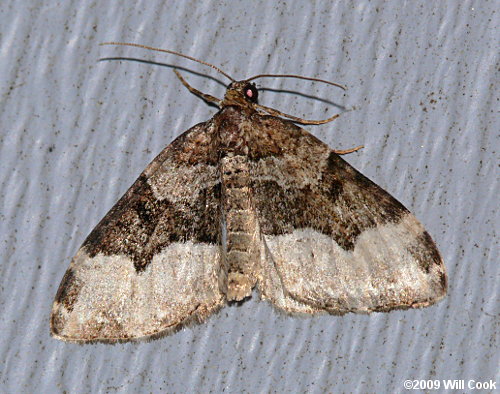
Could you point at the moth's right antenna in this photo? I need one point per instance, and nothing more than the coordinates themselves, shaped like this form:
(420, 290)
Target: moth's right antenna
(171, 52)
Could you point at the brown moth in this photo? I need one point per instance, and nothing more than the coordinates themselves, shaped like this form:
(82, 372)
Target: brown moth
(244, 200)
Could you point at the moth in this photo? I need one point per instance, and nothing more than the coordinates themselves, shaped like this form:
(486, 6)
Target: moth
(246, 200)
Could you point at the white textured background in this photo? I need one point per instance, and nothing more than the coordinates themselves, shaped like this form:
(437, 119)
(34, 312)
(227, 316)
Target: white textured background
(75, 133)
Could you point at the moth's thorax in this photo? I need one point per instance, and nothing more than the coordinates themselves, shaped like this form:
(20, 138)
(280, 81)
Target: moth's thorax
(234, 130)
(242, 232)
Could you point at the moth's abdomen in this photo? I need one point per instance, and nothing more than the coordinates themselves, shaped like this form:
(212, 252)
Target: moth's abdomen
(241, 249)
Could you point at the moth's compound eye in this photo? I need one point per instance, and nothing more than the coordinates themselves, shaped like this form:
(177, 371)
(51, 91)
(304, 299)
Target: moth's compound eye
(251, 92)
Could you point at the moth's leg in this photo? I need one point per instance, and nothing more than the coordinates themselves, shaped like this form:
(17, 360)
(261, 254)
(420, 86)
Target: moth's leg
(275, 112)
(345, 152)
(204, 96)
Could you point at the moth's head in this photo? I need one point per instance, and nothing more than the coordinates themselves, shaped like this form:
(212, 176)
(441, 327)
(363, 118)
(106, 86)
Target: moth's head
(241, 93)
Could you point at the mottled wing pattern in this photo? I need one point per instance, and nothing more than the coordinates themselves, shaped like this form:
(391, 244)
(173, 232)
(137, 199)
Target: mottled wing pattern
(151, 265)
(333, 241)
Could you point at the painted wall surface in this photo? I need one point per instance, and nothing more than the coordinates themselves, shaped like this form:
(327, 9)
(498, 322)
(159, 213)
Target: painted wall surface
(76, 131)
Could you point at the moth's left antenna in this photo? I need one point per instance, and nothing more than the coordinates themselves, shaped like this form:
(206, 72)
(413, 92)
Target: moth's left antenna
(171, 52)
(297, 77)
